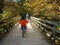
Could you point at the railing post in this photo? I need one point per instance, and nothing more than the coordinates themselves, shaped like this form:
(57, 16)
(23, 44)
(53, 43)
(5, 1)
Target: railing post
(53, 35)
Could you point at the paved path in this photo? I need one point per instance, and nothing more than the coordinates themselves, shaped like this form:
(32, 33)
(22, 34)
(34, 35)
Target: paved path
(32, 37)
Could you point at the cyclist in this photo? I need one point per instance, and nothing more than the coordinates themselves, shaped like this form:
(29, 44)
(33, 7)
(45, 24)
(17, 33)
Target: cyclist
(23, 23)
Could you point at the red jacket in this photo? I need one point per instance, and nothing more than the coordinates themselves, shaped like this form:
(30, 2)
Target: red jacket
(23, 22)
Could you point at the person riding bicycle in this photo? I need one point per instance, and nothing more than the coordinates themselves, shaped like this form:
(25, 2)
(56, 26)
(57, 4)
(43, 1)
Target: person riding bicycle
(23, 23)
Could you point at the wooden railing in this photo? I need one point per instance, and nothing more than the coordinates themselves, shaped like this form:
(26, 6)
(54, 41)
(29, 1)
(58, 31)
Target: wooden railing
(7, 24)
(49, 27)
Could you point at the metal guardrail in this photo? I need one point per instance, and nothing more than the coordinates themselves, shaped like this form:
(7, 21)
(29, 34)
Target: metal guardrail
(45, 24)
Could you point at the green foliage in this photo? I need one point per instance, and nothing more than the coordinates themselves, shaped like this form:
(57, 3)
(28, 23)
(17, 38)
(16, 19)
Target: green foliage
(1, 6)
(9, 17)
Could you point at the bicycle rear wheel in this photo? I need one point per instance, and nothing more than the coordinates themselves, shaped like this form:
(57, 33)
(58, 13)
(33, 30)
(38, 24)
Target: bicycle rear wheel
(23, 33)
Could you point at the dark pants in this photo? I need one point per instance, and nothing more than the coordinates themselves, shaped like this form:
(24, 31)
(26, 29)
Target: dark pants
(23, 28)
